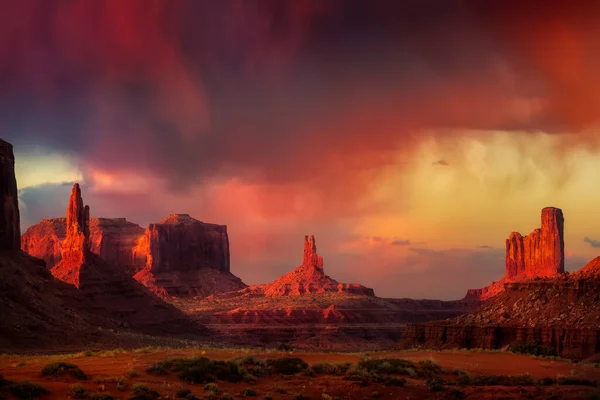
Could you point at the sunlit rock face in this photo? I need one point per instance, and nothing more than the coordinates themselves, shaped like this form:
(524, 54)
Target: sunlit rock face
(10, 227)
(75, 250)
(539, 254)
(113, 239)
(308, 278)
(180, 243)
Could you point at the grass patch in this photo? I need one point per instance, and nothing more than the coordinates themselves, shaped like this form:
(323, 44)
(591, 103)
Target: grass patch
(27, 390)
(285, 347)
(212, 388)
(249, 392)
(575, 381)
(287, 365)
(331, 369)
(63, 368)
(141, 391)
(199, 370)
(77, 391)
(435, 384)
(533, 348)
(498, 380)
(388, 366)
(429, 368)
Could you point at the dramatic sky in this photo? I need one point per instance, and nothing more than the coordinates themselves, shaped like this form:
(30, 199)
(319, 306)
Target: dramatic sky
(410, 137)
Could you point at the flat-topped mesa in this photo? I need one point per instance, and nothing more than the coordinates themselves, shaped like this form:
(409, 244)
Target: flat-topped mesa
(180, 243)
(10, 226)
(310, 253)
(539, 254)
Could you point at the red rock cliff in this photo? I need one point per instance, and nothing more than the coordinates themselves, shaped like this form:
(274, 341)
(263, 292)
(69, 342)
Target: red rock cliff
(10, 228)
(310, 253)
(539, 254)
(113, 239)
(181, 243)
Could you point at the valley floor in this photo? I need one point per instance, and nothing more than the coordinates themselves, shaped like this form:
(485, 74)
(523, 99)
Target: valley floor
(106, 369)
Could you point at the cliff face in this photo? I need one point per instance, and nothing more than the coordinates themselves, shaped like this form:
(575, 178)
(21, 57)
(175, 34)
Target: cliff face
(184, 257)
(113, 239)
(561, 312)
(541, 254)
(10, 228)
(309, 278)
(180, 243)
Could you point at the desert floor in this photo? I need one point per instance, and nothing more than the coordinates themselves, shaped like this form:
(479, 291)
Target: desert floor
(106, 368)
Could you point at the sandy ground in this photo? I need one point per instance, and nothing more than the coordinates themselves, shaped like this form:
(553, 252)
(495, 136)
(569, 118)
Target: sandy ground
(109, 365)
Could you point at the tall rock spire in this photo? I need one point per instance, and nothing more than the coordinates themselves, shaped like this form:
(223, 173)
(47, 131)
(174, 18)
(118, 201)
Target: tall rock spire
(310, 253)
(10, 227)
(76, 247)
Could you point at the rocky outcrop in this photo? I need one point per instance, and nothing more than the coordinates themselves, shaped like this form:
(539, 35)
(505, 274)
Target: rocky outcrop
(309, 278)
(10, 227)
(113, 239)
(185, 257)
(75, 250)
(541, 254)
(561, 312)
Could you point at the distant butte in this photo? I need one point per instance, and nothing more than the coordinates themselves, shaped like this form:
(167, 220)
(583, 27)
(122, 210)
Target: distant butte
(541, 254)
(308, 278)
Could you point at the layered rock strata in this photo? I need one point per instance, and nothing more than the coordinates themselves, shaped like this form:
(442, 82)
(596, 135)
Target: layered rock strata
(541, 254)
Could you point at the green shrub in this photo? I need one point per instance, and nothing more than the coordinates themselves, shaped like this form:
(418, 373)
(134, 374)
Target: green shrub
(435, 384)
(455, 394)
(268, 396)
(27, 390)
(212, 387)
(182, 393)
(503, 380)
(160, 368)
(547, 381)
(193, 397)
(226, 396)
(387, 366)
(63, 368)
(249, 392)
(141, 391)
(132, 373)
(287, 365)
(77, 391)
(429, 368)
(533, 348)
(573, 380)
(299, 396)
(252, 365)
(376, 395)
(101, 396)
(285, 347)
(330, 369)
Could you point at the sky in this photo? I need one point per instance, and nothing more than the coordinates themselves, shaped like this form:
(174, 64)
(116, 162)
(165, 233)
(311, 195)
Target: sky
(409, 137)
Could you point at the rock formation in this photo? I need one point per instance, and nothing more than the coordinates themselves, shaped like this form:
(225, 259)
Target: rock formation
(10, 228)
(108, 288)
(310, 253)
(113, 239)
(541, 254)
(309, 278)
(185, 257)
(180, 243)
(75, 250)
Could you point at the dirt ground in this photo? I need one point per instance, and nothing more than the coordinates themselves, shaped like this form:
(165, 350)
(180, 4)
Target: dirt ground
(108, 365)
